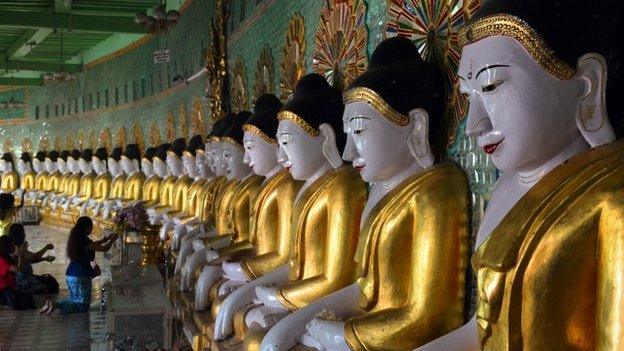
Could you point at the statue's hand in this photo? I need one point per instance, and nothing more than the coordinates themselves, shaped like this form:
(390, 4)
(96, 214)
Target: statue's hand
(229, 286)
(234, 271)
(265, 316)
(268, 295)
(329, 335)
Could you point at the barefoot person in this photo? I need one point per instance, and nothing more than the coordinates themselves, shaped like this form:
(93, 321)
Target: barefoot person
(81, 252)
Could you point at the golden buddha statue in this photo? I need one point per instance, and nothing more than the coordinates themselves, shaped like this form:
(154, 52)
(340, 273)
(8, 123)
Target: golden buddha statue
(10, 178)
(26, 174)
(41, 177)
(103, 180)
(133, 185)
(151, 186)
(548, 259)
(87, 180)
(117, 186)
(54, 175)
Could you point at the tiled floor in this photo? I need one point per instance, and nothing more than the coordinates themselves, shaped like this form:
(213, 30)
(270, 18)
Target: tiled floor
(25, 330)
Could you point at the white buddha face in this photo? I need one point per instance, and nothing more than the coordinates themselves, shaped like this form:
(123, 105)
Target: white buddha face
(85, 167)
(48, 165)
(22, 167)
(521, 115)
(72, 165)
(201, 160)
(377, 147)
(260, 155)
(98, 165)
(160, 167)
(233, 161)
(128, 165)
(213, 155)
(189, 165)
(174, 164)
(218, 164)
(3, 165)
(114, 168)
(37, 166)
(61, 164)
(300, 153)
(147, 167)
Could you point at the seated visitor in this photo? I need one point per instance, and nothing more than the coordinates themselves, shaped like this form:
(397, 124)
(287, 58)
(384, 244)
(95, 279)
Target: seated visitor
(8, 211)
(81, 252)
(11, 263)
(26, 280)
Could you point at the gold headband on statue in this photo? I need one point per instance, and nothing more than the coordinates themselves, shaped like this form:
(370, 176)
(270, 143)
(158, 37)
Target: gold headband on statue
(227, 139)
(369, 96)
(214, 139)
(529, 38)
(294, 118)
(250, 128)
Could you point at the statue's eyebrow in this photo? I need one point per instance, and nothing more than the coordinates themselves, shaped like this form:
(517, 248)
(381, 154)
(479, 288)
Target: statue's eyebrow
(489, 67)
(358, 117)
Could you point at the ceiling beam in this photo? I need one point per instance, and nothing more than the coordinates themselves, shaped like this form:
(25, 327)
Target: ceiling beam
(88, 23)
(39, 66)
(26, 43)
(62, 6)
(12, 81)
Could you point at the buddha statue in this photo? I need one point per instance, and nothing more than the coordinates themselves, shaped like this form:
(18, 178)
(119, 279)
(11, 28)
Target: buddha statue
(237, 214)
(548, 258)
(156, 160)
(101, 183)
(52, 197)
(117, 185)
(413, 246)
(133, 186)
(146, 162)
(231, 232)
(270, 224)
(174, 187)
(10, 178)
(40, 178)
(187, 213)
(26, 175)
(325, 219)
(87, 181)
(72, 188)
(54, 176)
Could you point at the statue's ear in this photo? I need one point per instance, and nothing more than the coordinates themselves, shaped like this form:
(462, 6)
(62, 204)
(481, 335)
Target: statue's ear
(592, 119)
(330, 150)
(418, 140)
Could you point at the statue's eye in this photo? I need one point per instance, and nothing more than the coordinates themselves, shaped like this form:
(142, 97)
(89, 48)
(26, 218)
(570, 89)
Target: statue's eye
(358, 131)
(491, 87)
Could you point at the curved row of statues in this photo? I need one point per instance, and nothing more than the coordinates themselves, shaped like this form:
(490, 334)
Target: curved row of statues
(279, 243)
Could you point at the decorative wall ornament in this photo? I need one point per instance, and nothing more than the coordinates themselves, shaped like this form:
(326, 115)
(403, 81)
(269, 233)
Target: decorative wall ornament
(154, 135)
(106, 139)
(121, 137)
(433, 25)
(81, 140)
(58, 144)
(137, 133)
(7, 145)
(26, 145)
(216, 62)
(340, 42)
(265, 75)
(293, 65)
(44, 143)
(170, 131)
(92, 140)
(69, 143)
(198, 120)
(239, 87)
(183, 122)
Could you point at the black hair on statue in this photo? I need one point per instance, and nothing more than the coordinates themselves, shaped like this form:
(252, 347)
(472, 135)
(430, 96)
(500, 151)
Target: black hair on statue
(196, 142)
(25, 157)
(116, 154)
(264, 116)
(236, 129)
(132, 152)
(53, 155)
(149, 153)
(87, 155)
(161, 152)
(101, 154)
(178, 146)
(40, 155)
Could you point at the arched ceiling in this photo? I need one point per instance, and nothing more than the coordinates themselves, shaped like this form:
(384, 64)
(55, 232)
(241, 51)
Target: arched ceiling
(31, 33)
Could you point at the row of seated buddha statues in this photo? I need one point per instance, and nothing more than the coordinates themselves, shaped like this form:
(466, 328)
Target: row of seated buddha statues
(333, 221)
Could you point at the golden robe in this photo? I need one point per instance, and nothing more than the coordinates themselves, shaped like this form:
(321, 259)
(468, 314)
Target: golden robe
(222, 205)
(87, 186)
(181, 195)
(72, 187)
(27, 181)
(325, 225)
(118, 187)
(151, 190)
(54, 182)
(133, 187)
(270, 225)
(102, 187)
(41, 180)
(10, 181)
(195, 201)
(413, 256)
(551, 275)
(167, 192)
(211, 191)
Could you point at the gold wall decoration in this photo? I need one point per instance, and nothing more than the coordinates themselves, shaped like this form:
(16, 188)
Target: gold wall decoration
(26, 145)
(183, 122)
(121, 137)
(7, 145)
(69, 143)
(265, 74)
(154, 135)
(58, 144)
(198, 120)
(92, 140)
(293, 65)
(81, 140)
(434, 27)
(106, 139)
(170, 127)
(44, 143)
(240, 101)
(340, 42)
(137, 133)
(216, 61)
